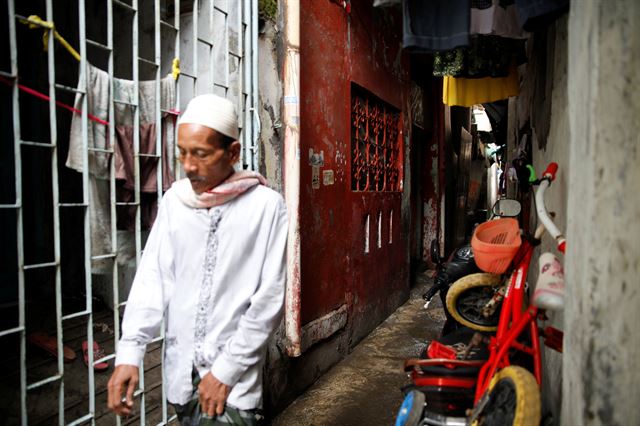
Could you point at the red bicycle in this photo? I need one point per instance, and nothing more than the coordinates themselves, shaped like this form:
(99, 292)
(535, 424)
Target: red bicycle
(504, 384)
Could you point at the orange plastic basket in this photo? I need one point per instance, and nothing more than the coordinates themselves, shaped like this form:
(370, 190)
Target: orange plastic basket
(494, 244)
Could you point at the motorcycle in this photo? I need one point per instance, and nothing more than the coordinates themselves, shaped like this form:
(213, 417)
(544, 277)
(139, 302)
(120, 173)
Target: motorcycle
(460, 264)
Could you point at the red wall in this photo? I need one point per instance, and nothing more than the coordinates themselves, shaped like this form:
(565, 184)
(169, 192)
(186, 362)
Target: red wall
(336, 50)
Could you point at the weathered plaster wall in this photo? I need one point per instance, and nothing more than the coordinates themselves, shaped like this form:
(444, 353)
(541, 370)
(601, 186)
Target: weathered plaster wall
(337, 276)
(270, 99)
(555, 149)
(602, 343)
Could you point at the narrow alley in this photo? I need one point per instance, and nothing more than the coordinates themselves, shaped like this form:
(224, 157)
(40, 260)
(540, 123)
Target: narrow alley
(365, 387)
(269, 259)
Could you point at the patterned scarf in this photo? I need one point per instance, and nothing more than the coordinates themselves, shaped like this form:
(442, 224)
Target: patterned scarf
(235, 185)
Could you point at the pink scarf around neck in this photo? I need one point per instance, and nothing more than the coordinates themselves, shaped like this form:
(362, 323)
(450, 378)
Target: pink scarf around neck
(236, 184)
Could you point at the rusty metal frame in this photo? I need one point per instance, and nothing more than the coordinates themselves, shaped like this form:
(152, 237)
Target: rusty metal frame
(376, 160)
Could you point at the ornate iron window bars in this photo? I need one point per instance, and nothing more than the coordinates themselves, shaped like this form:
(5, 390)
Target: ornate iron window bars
(375, 144)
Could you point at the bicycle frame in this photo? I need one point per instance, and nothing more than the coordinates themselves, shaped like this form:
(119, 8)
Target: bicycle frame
(513, 321)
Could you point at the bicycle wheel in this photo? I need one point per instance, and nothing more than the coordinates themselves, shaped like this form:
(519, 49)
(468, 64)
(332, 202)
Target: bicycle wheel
(466, 298)
(410, 413)
(514, 399)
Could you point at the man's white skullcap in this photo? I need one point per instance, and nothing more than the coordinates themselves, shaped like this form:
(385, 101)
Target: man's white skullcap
(214, 112)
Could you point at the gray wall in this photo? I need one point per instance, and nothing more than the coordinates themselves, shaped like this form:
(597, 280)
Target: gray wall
(541, 111)
(556, 149)
(602, 343)
(592, 64)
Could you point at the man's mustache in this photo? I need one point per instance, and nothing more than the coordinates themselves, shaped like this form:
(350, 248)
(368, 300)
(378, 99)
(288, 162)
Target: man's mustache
(195, 178)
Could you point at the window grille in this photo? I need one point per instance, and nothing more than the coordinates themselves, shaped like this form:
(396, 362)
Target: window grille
(216, 42)
(375, 143)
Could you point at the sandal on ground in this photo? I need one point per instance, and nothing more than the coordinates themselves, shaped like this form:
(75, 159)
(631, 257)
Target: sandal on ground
(50, 345)
(98, 353)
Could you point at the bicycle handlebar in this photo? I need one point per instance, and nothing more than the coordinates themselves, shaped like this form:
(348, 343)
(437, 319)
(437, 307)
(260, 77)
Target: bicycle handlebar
(549, 174)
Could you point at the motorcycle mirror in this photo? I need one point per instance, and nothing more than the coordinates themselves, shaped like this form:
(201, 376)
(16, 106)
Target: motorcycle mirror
(506, 207)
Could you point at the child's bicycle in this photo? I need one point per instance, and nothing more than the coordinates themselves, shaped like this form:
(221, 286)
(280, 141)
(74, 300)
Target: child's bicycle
(503, 393)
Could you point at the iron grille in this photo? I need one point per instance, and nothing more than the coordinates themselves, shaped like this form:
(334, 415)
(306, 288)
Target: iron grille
(375, 143)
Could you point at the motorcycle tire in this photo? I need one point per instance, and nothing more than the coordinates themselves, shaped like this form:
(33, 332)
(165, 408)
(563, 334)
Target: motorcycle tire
(514, 399)
(468, 295)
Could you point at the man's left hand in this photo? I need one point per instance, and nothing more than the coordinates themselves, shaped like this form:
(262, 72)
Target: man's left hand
(213, 395)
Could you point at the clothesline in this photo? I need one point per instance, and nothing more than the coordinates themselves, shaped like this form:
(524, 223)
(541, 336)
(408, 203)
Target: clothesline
(44, 97)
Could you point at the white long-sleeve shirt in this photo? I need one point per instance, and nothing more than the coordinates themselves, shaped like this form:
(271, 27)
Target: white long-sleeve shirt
(217, 277)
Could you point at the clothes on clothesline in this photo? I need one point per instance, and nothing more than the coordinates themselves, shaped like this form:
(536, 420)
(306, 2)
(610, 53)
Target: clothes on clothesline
(470, 91)
(97, 93)
(496, 17)
(486, 56)
(435, 25)
(476, 39)
(536, 14)
(98, 105)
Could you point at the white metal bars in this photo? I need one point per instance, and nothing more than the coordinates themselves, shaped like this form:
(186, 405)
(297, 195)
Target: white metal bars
(15, 105)
(231, 37)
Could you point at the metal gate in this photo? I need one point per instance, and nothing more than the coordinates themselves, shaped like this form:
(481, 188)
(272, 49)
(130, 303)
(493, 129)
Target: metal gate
(207, 46)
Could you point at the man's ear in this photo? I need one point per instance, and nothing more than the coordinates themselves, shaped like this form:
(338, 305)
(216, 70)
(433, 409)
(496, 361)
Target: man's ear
(234, 151)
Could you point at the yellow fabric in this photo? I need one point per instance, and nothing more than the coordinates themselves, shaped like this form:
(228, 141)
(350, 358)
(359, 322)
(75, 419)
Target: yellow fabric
(175, 68)
(34, 21)
(470, 91)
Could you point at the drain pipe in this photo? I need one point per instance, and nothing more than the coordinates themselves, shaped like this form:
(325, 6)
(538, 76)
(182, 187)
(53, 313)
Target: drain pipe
(292, 172)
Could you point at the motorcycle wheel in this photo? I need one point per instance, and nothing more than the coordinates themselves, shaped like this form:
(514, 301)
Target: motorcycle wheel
(466, 298)
(514, 399)
(411, 410)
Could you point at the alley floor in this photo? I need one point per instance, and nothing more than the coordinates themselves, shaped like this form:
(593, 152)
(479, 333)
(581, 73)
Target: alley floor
(364, 388)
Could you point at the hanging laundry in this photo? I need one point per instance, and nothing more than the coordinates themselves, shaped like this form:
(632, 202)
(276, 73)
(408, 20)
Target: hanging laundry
(435, 25)
(470, 91)
(486, 56)
(124, 92)
(537, 14)
(97, 93)
(97, 134)
(496, 17)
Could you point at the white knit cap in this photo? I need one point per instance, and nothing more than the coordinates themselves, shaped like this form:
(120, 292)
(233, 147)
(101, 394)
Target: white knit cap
(214, 112)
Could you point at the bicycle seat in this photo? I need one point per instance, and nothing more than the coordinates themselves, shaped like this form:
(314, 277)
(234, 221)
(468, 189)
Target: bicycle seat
(549, 293)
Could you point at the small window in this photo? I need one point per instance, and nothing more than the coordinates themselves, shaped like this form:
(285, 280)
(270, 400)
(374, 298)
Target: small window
(376, 161)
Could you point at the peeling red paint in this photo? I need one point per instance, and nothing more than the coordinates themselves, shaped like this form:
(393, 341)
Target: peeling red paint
(338, 50)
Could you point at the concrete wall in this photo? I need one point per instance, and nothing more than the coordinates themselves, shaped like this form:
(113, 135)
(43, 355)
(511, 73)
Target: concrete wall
(556, 148)
(602, 343)
(270, 98)
(541, 112)
(343, 299)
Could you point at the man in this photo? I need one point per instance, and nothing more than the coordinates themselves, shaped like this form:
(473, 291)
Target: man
(214, 269)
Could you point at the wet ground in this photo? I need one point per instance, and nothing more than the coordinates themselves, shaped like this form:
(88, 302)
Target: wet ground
(364, 388)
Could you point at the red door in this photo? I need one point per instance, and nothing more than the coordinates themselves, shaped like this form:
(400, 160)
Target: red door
(354, 86)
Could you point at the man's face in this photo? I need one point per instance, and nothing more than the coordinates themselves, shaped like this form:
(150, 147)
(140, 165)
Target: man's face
(205, 161)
